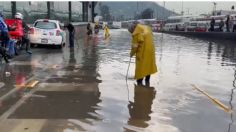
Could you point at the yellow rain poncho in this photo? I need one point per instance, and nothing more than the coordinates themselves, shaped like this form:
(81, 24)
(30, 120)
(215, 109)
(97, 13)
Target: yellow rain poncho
(107, 32)
(144, 49)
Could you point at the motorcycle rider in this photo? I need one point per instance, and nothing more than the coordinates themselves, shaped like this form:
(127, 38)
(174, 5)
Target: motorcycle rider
(25, 38)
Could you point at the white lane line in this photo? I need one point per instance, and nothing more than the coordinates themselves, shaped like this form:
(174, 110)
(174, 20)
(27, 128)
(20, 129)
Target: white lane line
(17, 105)
(2, 84)
(5, 96)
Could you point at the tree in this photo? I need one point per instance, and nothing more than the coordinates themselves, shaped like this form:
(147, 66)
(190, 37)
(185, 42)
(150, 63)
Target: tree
(147, 13)
(105, 12)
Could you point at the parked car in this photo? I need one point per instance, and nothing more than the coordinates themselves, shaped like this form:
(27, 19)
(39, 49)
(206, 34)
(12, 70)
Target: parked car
(202, 26)
(192, 26)
(198, 26)
(169, 27)
(47, 32)
(180, 27)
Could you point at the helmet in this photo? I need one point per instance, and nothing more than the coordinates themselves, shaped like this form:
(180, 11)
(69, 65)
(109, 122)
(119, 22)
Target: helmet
(18, 16)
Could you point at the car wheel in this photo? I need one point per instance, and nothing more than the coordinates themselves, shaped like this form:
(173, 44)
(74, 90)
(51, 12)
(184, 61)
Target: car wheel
(60, 46)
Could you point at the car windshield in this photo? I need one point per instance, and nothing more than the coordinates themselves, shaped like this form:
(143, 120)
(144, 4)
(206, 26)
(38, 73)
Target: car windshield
(193, 24)
(201, 24)
(45, 25)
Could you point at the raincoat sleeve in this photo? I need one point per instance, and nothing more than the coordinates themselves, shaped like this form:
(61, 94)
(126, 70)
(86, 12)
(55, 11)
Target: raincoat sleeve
(138, 39)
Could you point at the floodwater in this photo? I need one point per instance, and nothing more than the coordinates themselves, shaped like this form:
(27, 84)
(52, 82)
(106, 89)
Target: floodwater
(84, 89)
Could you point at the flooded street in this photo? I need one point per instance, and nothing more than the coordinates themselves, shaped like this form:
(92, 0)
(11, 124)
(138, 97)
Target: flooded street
(85, 89)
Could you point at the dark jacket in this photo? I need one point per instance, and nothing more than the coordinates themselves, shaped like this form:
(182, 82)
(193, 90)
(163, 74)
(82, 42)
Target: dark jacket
(70, 28)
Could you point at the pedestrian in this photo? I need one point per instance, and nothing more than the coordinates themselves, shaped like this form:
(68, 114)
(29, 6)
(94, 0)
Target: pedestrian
(89, 29)
(227, 23)
(96, 28)
(221, 25)
(26, 29)
(144, 49)
(176, 27)
(107, 32)
(71, 30)
(234, 24)
(5, 38)
(212, 25)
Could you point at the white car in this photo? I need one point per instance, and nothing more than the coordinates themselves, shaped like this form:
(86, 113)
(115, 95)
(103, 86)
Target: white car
(47, 32)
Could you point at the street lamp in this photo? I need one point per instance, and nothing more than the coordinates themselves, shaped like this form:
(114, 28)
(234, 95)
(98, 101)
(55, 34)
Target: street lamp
(188, 10)
(214, 8)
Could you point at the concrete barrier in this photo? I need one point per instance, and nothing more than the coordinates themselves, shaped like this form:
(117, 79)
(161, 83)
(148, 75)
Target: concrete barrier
(80, 29)
(206, 35)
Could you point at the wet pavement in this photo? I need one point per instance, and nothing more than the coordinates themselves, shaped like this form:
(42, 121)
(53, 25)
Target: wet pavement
(84, 89)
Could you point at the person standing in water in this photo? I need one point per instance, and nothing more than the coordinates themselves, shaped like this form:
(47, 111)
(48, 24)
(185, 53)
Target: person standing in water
(144, 49)
(71, 30)
(89, 29)
(96, 28)
(107, 32)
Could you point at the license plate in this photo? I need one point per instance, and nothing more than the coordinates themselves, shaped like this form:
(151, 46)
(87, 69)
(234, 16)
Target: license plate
(44, 41)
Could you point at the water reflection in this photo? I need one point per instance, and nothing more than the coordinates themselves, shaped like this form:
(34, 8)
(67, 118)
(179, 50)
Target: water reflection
(13, 75)
(72, 59)
(141, 108)
(209, 52)
(228, 53)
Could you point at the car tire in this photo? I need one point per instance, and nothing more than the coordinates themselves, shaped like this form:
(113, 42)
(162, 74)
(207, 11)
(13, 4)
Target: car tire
(60, 46)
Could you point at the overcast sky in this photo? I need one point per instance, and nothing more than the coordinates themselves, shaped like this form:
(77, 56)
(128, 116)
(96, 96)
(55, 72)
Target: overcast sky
(196, 8)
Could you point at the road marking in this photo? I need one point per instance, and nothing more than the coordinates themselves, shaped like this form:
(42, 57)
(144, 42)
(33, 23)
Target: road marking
(32, 84)
(214, 100)
(54, 66)
(2, 84)
(16, 105)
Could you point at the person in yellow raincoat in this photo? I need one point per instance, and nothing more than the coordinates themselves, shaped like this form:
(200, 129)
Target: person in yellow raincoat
(144, 49)
(107, 32)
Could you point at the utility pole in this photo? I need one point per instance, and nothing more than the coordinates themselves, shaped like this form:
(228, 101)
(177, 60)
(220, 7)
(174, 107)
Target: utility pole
(13, 8)
(137, 13)
(188, 10)
(69, 6)
(163, 10)
(214, 8)
(85, 11)
(48, 10)
(182, 11)
(232, 9)
(93, 10)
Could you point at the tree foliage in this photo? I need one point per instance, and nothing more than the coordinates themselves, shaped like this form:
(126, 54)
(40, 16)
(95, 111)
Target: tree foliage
(105, 12)
(147, 13)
